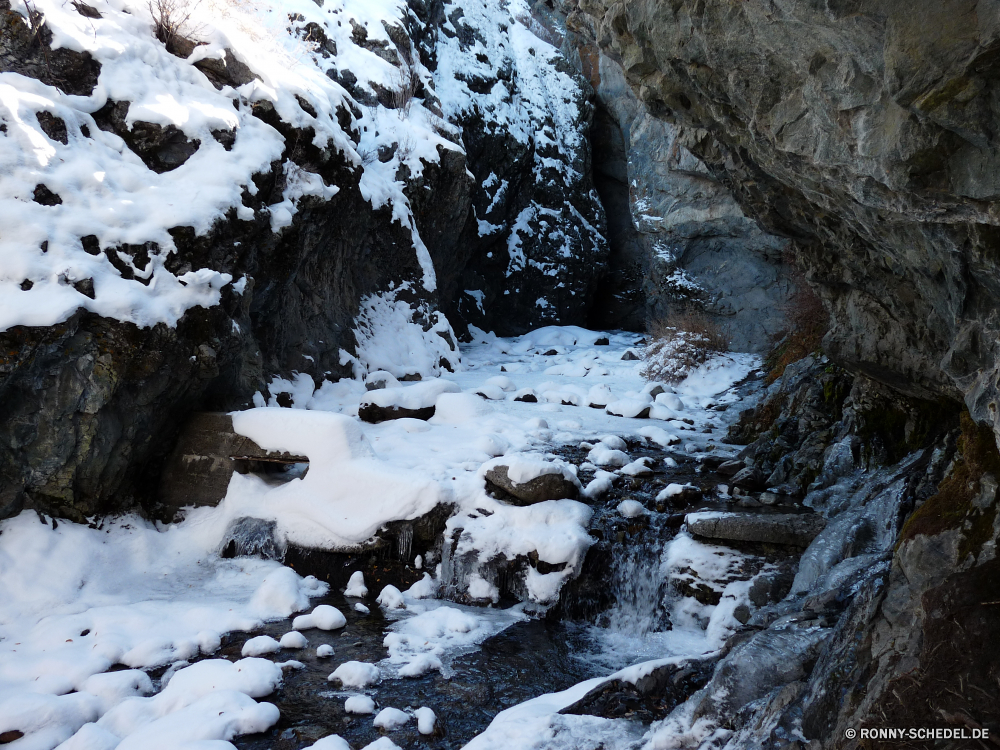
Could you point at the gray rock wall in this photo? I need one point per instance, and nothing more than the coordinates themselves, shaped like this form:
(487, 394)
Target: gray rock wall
(863, 131)
(677, 233)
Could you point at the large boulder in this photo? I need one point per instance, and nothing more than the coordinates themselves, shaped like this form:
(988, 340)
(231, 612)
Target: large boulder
(529, 480)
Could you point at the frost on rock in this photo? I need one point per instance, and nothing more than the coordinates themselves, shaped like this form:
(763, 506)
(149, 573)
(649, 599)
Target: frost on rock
(540, 249)
(92, 200)
(403, 338)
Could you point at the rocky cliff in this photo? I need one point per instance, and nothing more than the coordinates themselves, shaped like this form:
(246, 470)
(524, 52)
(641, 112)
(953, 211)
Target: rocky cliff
(241, 209)
(865, 134)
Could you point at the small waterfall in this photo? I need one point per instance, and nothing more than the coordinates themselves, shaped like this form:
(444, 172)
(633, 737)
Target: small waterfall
(640, 590)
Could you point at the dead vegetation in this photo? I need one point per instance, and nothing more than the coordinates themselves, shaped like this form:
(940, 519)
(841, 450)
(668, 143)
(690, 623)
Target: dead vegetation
(808, 322)
(679, 344)
(172, 24)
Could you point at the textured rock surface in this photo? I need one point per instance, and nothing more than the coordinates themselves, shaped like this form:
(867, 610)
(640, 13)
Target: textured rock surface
(90, 408)
(539, 489)
(866, 133)
(534, 239)
(797, 529)
(677, 235)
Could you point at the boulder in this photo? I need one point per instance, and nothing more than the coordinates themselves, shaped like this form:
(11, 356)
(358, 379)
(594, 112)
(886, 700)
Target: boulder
(557, 485)
(793, 529)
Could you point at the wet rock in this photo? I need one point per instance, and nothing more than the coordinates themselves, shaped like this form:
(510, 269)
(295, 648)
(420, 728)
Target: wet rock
(251, 537)
(544, 487)
(750, 478)
(729, 468)
(795, 529)
(373, 413)
(630, 356)
(650, 697)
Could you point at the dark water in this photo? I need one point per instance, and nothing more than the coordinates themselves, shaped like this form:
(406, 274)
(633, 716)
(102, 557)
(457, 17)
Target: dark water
(528, 659)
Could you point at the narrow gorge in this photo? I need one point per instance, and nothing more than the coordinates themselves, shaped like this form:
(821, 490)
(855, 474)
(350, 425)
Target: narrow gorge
(498, 374)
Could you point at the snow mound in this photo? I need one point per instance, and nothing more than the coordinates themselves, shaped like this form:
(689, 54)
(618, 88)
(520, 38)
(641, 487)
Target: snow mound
(262, 644)
(359, 704)
(390, 719)
(356, 585)
(323, 617)
(293, 640)
(357, 674)
(391, 598)
(426, 719)
(347, 494)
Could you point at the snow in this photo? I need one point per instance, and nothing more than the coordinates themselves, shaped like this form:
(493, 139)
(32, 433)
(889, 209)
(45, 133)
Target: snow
(602, 455)
(601, 483)
(631, 508)
(323, 617)
(160, 596)
(523, 467)
(673, 490)
(108, 192)
(428, 634)
(382, 743)
(359, 607)
(417, 396)
(359, 704)
(332, 742)
(456, 408)
(356, 585)
(390, 719)
(426, 719)
(323, 508)
(391, 598)
(355, 674)
(293, 640)
(261, 645)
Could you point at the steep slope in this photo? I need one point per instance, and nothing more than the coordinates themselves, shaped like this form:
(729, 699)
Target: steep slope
(197, 205)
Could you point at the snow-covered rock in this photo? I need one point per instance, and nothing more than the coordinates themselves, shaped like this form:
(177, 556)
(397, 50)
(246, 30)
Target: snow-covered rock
(414, 401)
(532, 479)
(355, 674)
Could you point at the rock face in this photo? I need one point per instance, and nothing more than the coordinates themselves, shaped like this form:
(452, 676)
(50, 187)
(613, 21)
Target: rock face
(90, 407)
(535, 236)
(678, 238)
(864, 132)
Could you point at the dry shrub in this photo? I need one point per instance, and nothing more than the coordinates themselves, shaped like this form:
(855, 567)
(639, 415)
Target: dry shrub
(172, 23)
(679, 344)
(808, 322)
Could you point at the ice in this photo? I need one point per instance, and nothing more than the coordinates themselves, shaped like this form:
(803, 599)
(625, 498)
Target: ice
(426, 719)
(356, 674)
(293, 640)
(391, 719)
(356, 585)
(359, 704)
(323, 617)
(261, 645)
